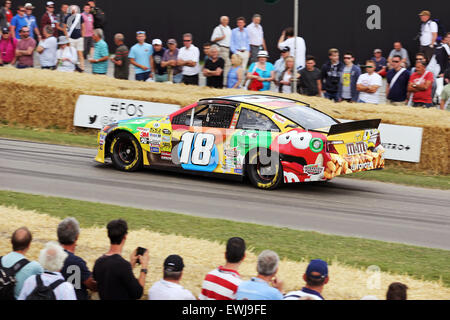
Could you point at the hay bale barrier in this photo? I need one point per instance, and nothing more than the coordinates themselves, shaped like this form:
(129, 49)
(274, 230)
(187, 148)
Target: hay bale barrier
(201, 256)
(46, 99)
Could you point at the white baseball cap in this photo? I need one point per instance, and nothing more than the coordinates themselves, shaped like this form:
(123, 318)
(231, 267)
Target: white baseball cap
(28, 5)
(50, 3)
(157, 41)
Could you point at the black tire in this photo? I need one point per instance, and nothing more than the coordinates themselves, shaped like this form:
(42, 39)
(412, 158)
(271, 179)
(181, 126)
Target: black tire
(254, 172)
(126, 153)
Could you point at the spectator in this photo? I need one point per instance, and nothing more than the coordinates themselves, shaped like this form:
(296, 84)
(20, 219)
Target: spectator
(74, 30)
(158, 53)
(188, 59)
(88, 31)
(47, 49)
(428, 34)
(222, 283)
(141, 57)
(280, 63)
(21, 242)
(443, 54)
(236, 73)
(445, 97)
(114, 275)
(420, 85)
(31, 21)
(99, 16)
(67, 56)
(264, 69)
(213, 69)
(331, 75)
(49, 18)
(397, 79)
(6, 14)
(101, 54)
(169, 61)
(380, 62)
(240, 42)
(25, 49)
(68, 232)
(368, 84)
(287, 40)
(400, 51)
(397, 291)
(310, 82)
(350, 74)
(316, 277)
(206, 48)
(259, 287)
(256, 37)
(18, 22)
(62, 17)
(169, 287)
(285, 79)
(8, 45)
(222, 37)
(52, 259)
(120, 59)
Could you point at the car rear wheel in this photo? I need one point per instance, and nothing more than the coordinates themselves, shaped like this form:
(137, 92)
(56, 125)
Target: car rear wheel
(261, 175)
(126, 153)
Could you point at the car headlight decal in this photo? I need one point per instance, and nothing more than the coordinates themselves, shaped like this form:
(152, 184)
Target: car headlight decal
(316, 145)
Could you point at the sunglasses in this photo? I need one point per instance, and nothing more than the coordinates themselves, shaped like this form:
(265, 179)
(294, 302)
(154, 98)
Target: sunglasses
(395, 61)
(347, 58)
(187, 40)
(370, 67)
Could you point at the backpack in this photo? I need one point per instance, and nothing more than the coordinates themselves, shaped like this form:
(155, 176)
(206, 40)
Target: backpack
(8, 279)
(441, 30)
(43, 292)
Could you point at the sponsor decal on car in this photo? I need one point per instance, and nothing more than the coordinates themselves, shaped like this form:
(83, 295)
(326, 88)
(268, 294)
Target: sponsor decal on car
(356, 148)
(166, 156)
(154, 150)
(313, 169)
(278, 118)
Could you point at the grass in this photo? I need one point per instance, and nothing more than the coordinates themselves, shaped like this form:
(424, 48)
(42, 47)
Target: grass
(418, 262)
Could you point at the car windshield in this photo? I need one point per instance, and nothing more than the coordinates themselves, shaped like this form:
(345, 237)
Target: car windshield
(308, 118)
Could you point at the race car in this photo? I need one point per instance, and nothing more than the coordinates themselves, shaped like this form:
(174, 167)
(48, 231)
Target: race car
(269, 139)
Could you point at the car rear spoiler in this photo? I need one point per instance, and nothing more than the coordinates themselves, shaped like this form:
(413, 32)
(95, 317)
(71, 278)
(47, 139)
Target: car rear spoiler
(354, 126)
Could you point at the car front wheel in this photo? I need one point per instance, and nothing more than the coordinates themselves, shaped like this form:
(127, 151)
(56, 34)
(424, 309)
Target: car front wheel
(126, 153)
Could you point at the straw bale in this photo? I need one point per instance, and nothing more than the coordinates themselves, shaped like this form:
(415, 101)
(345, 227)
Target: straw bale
(201, 256)
(45, 98)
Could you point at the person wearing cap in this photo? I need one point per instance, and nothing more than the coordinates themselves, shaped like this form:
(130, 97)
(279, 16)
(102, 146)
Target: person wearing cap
(8, 46)
(240, 42)
(222, 37)
(265, 286)
(47, 48)
(428, 34)
(120, 59)
(213, 69)
(316, 277)
(67, 56)
(141, 57)
(189, 60)
(101, 54)
(380, 62)
(158, 53)
(169, 288)
(265, 70)
(25, 49)
(280, 63)
(49, 18)
(88, 30)
(256, 37)
(287, 40)
(32, 21)
(169, 61)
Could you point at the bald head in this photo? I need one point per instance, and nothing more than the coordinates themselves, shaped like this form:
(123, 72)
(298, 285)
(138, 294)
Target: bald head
(224, 20)
(21, 239)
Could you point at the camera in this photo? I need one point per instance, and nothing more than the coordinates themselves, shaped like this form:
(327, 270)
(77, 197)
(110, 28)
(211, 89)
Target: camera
(140, 252)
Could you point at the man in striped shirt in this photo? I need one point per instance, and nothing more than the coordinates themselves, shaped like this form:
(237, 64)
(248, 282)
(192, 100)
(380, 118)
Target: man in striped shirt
(222, 283)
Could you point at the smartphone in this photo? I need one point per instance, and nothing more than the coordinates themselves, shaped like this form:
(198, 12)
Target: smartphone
(140, 252)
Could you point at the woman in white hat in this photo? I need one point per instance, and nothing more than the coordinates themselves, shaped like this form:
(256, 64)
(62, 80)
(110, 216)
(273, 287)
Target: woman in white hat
(67, 56)
(265, 70)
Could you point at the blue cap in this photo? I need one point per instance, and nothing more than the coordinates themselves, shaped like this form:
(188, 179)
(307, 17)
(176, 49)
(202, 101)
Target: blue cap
(318, 266)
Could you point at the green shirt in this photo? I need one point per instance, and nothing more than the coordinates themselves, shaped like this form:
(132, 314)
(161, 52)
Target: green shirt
(100, 51)
(445, 95)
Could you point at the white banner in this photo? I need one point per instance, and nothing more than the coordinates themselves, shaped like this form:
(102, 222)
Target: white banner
(96, 112)
(401, 142)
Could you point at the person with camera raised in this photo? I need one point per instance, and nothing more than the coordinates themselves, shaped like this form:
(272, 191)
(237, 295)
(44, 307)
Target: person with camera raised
(114, 275)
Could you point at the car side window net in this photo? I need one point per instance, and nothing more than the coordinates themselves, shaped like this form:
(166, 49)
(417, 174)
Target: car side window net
(252, 120)
(219, 116)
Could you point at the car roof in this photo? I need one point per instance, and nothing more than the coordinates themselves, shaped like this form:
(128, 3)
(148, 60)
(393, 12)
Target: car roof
(260, 100)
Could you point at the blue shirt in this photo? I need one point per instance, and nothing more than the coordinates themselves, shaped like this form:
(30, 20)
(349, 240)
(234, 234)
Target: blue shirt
(25, 21)
(30, 269)
(239, 40)
(100, 51)
(233, 77)
(257, 289)
(398, 92)
(141, 54)
(263, 74)
(73, 267)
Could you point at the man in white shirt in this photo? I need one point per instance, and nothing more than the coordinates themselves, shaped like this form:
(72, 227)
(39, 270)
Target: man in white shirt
(188, 59)
(47, 49)
(287, 40)
(256, 37)
(169, 287)
(222, 37)
(428, 34)
(368, 84)
(52, 260)
(316, 277)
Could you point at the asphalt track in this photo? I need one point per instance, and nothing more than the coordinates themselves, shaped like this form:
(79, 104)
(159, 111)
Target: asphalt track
(349, 207)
